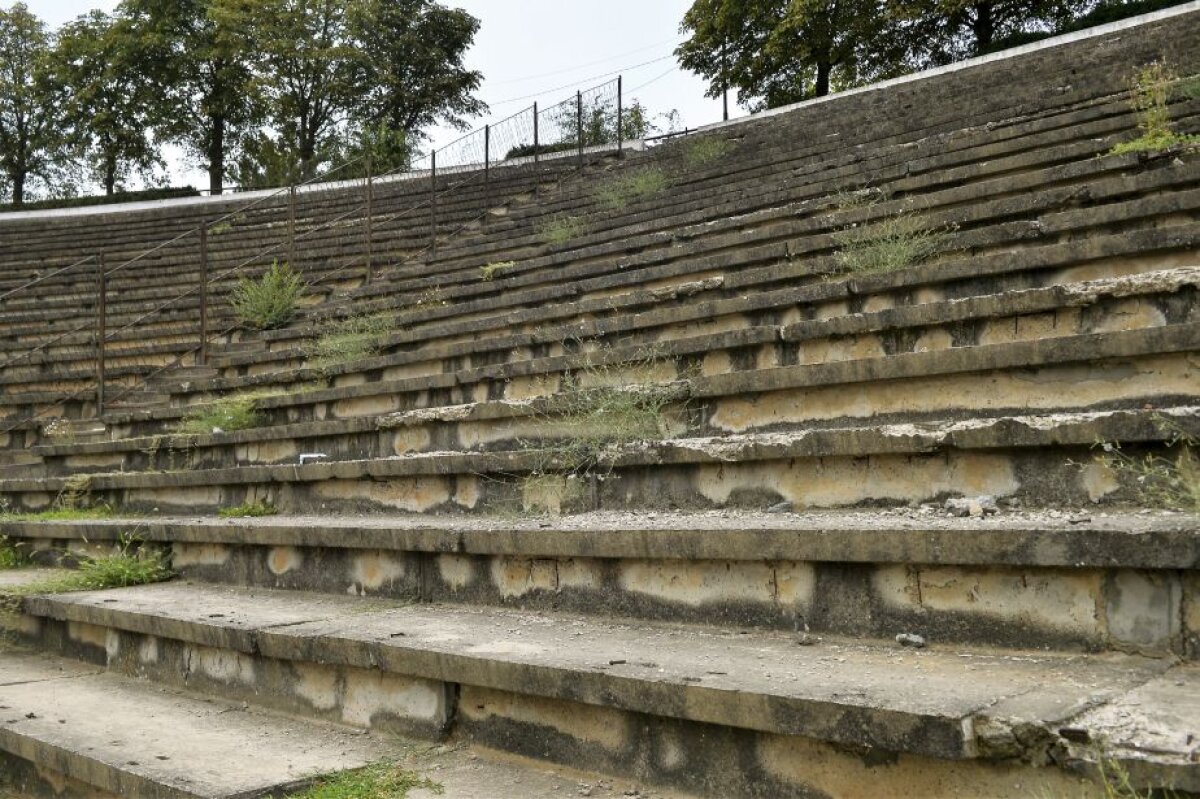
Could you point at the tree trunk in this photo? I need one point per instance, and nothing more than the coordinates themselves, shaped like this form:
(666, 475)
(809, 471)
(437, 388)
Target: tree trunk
(823, 70)
(216, 157)
(983, 26)
(110, 175)
(18, 189)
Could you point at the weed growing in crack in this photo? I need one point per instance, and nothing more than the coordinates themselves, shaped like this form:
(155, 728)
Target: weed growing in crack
(488, 273)
(59, 514)
(704, 150)
(560, 229)
(1168, 481)
(622, 189)
(248, 510)
(12, 555)
(379, 781)
(270, 301)
(1150, 95)
(888, 244)
(226, 414)
(347, 340)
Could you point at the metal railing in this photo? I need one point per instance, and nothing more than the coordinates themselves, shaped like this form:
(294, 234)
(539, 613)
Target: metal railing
(526, 140)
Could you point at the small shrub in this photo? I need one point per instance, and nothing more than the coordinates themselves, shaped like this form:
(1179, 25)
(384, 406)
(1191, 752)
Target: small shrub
(1150, 96)
(894, 242)
(235, 412)
(380, 781)
(704, 150)
(270, 301)
(625, 188)
(1168, 481)
(12, 556)
(347, 340)
(248, 510)
(488, 273)
(561, 228)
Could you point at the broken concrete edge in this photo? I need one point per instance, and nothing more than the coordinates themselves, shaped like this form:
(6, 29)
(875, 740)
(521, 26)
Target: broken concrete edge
(1127, 541)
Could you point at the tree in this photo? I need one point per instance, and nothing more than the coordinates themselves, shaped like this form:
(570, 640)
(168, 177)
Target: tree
(102, 101)
(407, 71)
(29, 141)
(957, 29)
(199, 65)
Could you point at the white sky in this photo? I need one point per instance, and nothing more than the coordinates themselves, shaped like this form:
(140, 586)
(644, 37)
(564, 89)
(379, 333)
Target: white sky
(538, 47)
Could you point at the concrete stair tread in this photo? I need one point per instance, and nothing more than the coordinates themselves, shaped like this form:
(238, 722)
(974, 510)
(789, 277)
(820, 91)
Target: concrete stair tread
(946, 702)
(131, 738)
(1078, 539)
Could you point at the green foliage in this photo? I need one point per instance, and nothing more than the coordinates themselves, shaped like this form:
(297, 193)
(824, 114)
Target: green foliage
(30, 140)
(270, 301)
(248, 510)
(12, 556)
(1150, 96)
(1169, 481)
(894, 242)
(561, 228)
(488, 273)
(347, 340)
(235, 412)
(130, 565)
(380, 781)
(704, 150)
(116, 197)
(61, 514)
(632, 185)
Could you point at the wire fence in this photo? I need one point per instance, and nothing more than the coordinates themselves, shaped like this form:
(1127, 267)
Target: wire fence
(347, 229)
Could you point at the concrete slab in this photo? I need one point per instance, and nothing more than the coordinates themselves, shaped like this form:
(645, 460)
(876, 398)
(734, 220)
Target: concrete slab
(873, 694)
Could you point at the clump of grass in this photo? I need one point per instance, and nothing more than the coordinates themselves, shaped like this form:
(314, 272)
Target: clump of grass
(12, 556)
(629, 186)
(1150, 96)
(488, 273)
(248, 510)
(891, 243)
(1168, 481)
(270, 301)
(561, 228)
(380, 781)
(61, 514)
(704, 150)
(235, 412)
(346, 340)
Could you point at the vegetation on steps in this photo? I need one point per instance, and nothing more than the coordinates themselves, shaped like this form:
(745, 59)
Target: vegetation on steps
(380, 781)
(347, 340)
(488, 273)
(1170, 480)
(561, 228)
(270, 301)
(1150, 95)
(12, 556)
(60, 514)
(897, 241)
(248, 510)
(226, 414)
(635, 184)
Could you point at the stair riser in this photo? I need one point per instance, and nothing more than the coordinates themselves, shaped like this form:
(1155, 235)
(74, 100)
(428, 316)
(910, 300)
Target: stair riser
(19, 777)
(712, 759)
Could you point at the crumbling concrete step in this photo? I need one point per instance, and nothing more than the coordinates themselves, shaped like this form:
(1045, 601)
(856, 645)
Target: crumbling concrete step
(946, 704)
(1078, 580)
(131, 739)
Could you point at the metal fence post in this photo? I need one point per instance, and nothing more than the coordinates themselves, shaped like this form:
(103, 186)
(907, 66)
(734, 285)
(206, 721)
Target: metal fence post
(487, 172)
(203, 356)
(101, 332)
(370, 231)
(537, 145)
(292, 226)
(579, 122)
(620, 115)
(433, 201)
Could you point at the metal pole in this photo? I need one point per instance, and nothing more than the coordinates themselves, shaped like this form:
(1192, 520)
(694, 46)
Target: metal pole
(101, 333)
(487, 171)
(370, 224)
(537, 145)
(292, 226)
(620, 115)
(433, 201)
(203, 357)
(579, 122)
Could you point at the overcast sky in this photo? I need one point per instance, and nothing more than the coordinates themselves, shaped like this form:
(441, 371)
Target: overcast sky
(544, 49)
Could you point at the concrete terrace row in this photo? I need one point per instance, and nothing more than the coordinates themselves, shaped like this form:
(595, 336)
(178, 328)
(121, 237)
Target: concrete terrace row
(656, 498)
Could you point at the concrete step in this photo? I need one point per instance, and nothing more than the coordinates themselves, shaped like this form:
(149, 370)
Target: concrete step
(540, 683)
(75, 728)
(1081, 580)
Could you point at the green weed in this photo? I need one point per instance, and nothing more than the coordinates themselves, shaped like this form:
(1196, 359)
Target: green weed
(888, 244)
(1169, 481)
(60, 514)
(380, 781)
(347, 340)
(248, 510)
(1150, 96)
(704, 150)
(488, 273)
(270, 301)
(12, 556)
(235, 412)
(624, 188)
(561, 228)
